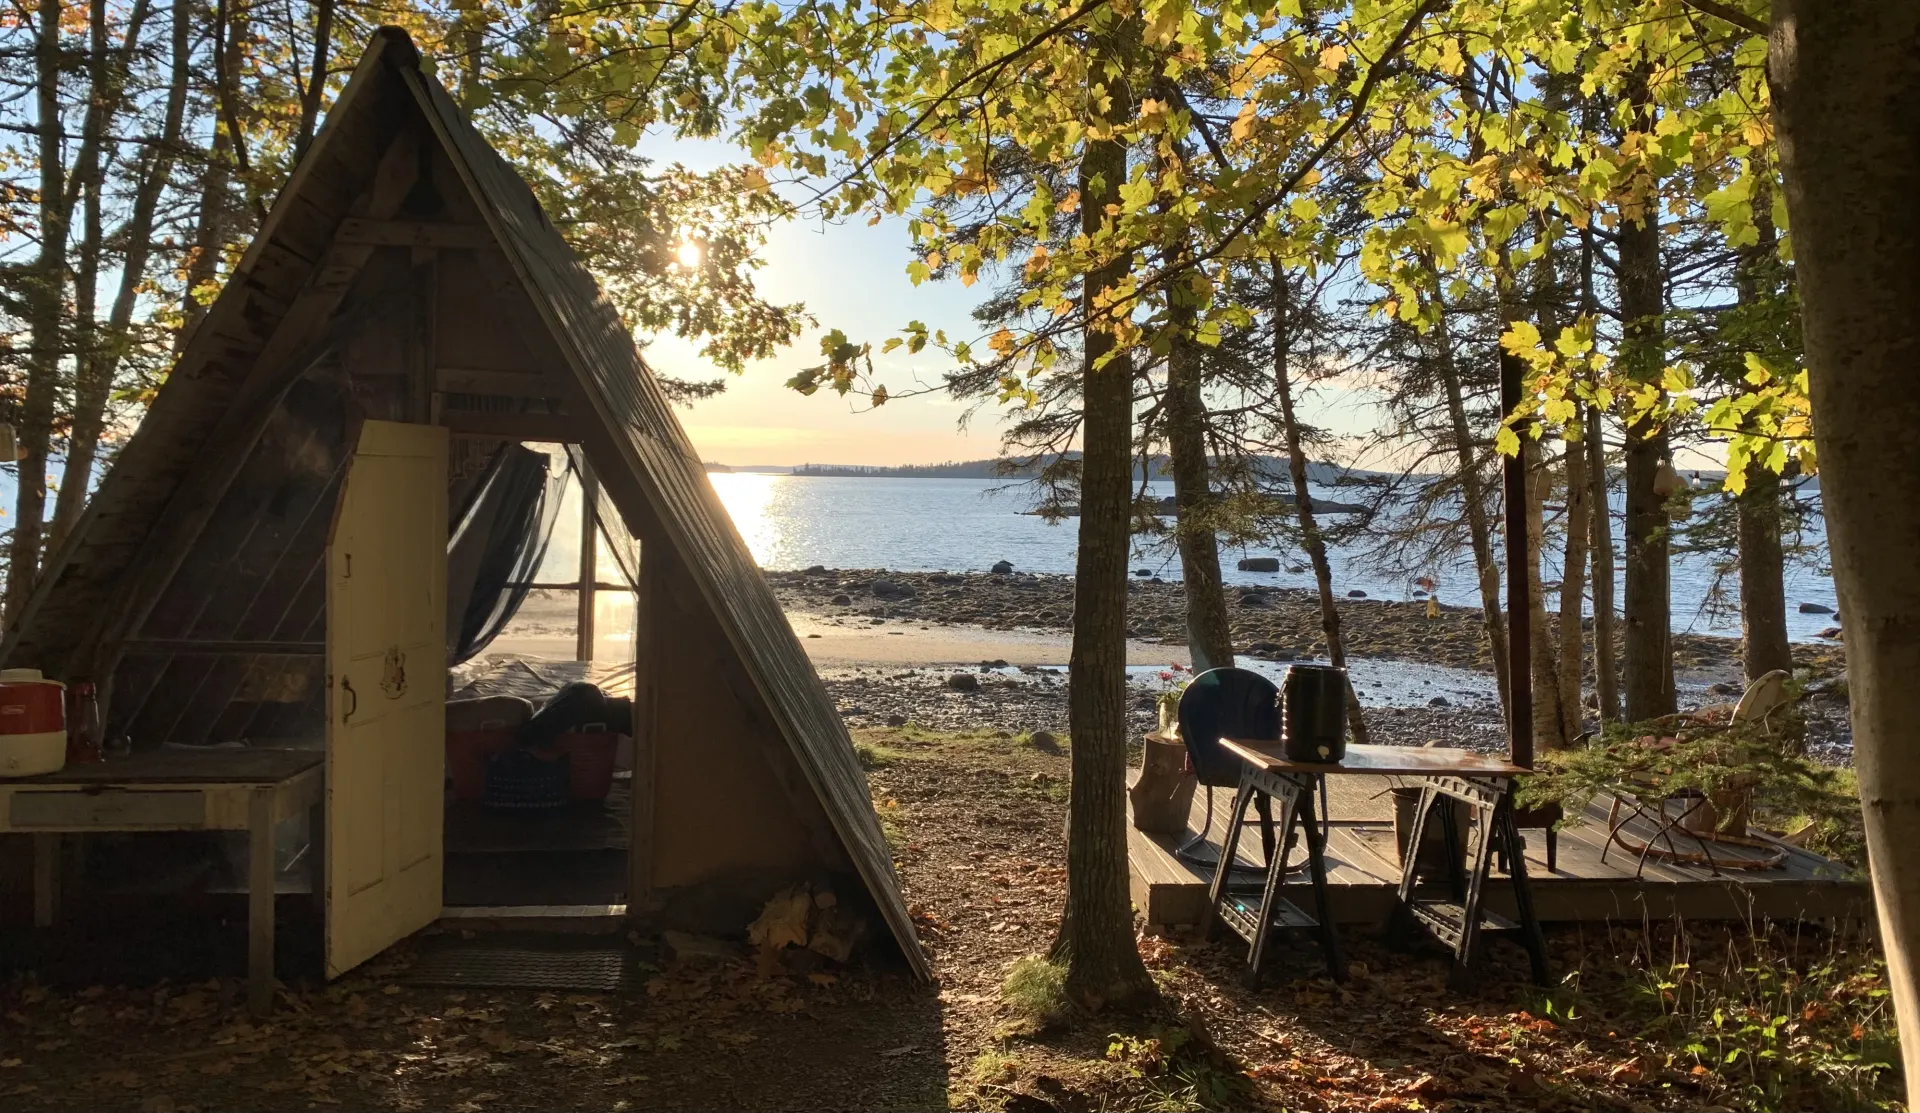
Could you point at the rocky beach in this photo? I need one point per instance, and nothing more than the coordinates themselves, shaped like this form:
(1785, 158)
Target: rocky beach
(963, 651)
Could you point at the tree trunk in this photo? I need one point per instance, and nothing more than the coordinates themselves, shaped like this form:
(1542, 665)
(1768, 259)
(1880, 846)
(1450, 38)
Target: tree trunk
(46, 305)
(1096, 939)
(1474, 494)
(1606, 672)
(1846, 93)
(1316, 545)
(1209, 633)
(1649, 610)
(1763, 589)
(1543, 657)
(209, 240)
(1573, 590)
(94, 383)
(89, 176)
(317, 79)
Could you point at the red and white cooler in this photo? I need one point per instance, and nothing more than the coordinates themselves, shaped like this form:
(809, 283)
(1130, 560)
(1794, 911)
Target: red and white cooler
(33, 724)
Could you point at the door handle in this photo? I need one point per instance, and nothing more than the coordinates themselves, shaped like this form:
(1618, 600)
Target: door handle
(346, 685)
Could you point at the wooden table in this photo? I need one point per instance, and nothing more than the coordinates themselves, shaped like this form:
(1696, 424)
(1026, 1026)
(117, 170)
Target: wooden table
(1483, 783)
(249, 790)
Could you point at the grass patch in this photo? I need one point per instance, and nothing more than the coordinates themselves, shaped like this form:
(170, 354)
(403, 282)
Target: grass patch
(875, 755)
(992, 1068)
(1036, 990)
(1177, 1073)
(890, 824)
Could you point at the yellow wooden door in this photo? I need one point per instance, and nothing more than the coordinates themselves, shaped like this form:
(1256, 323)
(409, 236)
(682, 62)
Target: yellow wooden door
(386, 716)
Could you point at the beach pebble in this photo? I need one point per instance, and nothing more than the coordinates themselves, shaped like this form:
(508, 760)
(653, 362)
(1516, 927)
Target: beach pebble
(1259, 564)
(889, 589)
(1439, 701)
(1253, 599)
(842, 600)
(896, 720)
(816, 570)
(1044, 741)
(1815, 608)
(1356, 593)
(1003, 567)
(1832, 633)
(964, 682)
(1143, 571)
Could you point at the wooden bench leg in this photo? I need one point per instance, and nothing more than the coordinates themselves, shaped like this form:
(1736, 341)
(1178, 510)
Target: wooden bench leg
(46, 879)
(260, 902)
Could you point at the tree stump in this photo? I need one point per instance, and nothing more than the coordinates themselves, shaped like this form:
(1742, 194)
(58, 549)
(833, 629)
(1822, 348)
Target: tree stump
(1163, 793)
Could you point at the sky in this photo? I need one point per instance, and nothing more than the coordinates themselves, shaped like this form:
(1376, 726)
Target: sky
(853, 277)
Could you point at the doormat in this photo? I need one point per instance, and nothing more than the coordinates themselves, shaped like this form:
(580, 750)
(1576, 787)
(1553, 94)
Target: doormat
(498, 961)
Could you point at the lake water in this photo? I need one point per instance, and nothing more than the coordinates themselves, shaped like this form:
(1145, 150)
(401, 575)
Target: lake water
(960, 525)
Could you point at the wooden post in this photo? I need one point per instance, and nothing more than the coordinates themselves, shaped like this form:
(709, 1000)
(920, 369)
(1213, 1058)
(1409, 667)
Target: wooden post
(1519, 607)
(260, 901)
(422, 399)
(589, 560)
(640, 824)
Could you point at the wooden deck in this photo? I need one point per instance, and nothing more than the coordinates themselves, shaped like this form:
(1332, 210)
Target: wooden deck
(1363, 870)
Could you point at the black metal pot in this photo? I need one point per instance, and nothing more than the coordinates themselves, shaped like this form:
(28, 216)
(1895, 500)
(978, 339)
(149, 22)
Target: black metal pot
(1313, 713)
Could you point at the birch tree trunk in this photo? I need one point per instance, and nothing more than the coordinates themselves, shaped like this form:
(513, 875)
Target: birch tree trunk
(1846, 95)
(1473, 493)
(1095, 940)
(1302, 500)
(1209, 632)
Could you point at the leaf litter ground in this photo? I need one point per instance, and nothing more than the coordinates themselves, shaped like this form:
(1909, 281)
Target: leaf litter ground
(1657, 1018)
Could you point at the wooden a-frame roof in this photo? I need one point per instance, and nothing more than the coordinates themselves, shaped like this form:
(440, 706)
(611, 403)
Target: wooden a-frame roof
(270, 324)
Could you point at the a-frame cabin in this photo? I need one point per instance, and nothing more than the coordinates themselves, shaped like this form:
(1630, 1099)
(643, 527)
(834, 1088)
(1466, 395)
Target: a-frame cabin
(266, 558)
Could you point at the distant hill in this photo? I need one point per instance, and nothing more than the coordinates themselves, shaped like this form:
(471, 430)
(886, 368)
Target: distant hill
(1318, 472)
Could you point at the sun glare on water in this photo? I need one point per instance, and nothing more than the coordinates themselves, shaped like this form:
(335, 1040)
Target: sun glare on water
(747, 496)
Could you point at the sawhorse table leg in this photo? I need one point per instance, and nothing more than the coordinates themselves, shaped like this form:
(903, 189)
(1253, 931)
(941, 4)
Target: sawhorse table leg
(1257, 924)
(1459, 925)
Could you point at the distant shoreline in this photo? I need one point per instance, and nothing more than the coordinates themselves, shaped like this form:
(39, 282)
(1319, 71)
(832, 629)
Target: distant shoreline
(1274, 623)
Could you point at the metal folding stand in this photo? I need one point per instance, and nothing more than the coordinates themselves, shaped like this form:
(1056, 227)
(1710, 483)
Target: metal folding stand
(1254, 922)
(1460, 919)
(1197, 851)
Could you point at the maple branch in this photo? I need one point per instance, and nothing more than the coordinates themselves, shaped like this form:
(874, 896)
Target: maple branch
(1361, 97)
(1730, 14)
